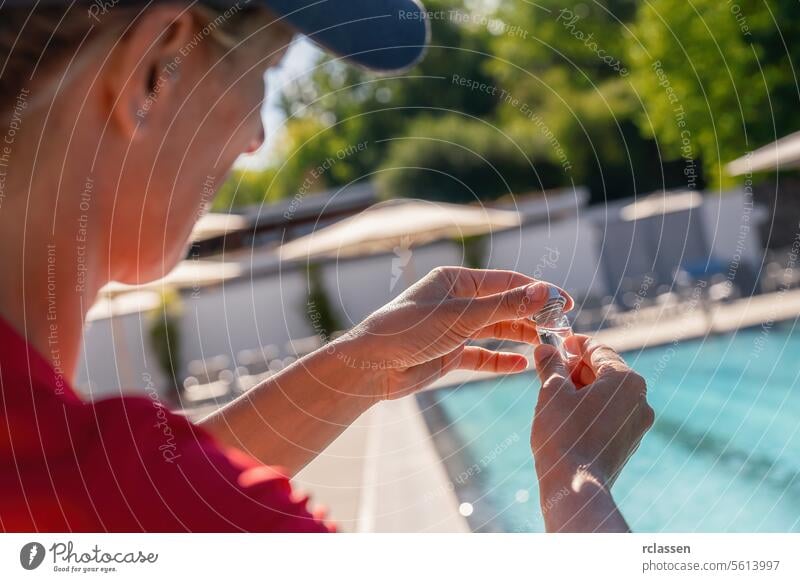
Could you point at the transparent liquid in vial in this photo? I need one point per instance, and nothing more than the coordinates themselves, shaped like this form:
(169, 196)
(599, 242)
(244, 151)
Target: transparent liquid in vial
(552, 324)
(556, 338)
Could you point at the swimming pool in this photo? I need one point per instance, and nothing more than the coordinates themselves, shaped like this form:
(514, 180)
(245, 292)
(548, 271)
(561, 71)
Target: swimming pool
(723, 455)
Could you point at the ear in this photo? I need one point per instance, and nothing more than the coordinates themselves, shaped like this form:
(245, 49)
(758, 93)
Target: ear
(146, 65)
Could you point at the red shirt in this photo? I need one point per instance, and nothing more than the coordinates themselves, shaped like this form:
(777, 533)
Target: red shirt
(122, 464)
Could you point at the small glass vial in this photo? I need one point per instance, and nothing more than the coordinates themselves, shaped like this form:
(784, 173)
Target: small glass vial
(552, 323)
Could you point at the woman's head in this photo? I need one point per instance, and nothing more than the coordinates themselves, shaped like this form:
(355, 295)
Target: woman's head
(145, 107)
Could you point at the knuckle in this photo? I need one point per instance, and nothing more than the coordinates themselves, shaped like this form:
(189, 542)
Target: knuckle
(498, 329)
(438, 273)
(604, 353)
(636, 382)
(614, 375)
(458, 316)
(493, 362)
(483, 360)
(509, 303)
(555, 383)
(456, 307)
(548, 363)
(648, 416)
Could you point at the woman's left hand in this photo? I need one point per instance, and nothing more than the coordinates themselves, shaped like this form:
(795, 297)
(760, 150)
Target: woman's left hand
(422, 334)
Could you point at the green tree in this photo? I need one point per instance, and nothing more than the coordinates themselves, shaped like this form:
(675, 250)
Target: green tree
(318, 307)
(459, 159)
(623, 96)
(165, 339)
(717, 78)
(571, 70)
(245, 188)
(352, 106)
(303, 146)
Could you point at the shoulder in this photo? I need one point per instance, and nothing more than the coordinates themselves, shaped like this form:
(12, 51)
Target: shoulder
(175, 476)
(146, 425)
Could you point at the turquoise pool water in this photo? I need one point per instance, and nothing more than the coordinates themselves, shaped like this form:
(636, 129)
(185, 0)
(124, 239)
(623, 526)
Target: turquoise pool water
(723, 455)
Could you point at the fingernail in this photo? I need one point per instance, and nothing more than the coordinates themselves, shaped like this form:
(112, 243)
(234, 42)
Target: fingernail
(543, 352)
(537, 291)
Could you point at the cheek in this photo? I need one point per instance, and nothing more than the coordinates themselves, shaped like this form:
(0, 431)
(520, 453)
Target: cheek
(192, 168)
(244, 103)
(227, 132)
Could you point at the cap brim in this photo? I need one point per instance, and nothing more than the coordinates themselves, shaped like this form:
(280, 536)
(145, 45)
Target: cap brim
(382, 35)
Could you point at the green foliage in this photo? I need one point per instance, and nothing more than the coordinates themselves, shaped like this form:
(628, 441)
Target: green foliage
(304, 145)
(341, 106)
(554, 93)
(475, 250)
(454, 159)
(318, 308)
(730, 72)
(165, 336)
(573, 72)
(244, 188)
(350, 106)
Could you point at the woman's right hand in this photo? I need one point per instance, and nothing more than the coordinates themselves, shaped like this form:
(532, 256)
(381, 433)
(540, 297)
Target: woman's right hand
(591, 415)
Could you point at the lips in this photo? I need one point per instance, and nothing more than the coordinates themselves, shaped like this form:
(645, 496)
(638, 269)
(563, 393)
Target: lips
(256, 142)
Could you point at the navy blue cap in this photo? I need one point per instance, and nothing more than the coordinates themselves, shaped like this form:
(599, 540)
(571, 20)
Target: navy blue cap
(383, 35)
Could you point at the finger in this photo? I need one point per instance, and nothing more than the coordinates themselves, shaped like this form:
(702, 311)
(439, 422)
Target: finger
(520, 330)
(508, 305)
(583, 376)
(604, 359)
(470, 283)
(581, 373)
(483, 360)
(467, 283)
(552, 369)
(576, 344)
(463, 358)
(417, 377)
(579, 362)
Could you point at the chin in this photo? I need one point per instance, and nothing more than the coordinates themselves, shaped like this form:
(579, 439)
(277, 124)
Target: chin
(153, 269)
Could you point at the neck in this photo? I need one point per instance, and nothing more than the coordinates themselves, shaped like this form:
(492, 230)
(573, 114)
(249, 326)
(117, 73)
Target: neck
(49, 260)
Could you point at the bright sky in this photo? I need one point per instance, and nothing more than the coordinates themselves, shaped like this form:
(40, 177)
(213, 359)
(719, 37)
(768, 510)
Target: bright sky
(297, 63)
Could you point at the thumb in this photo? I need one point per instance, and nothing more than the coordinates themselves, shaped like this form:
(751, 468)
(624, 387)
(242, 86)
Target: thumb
(552, 369)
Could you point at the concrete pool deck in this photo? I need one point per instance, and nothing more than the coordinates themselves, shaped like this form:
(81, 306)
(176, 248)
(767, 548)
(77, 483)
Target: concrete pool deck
(384, 473)
(705, 320)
